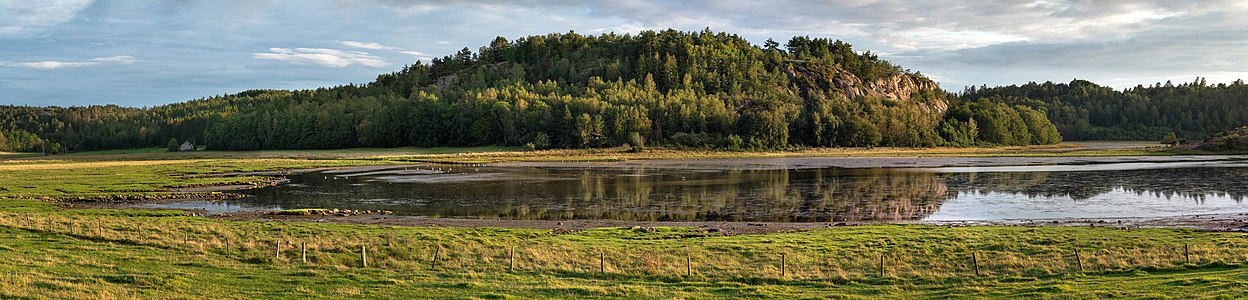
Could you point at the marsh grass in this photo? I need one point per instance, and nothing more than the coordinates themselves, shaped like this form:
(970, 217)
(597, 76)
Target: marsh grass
(123, 254)
(909, 251)
(620, 154)
(70, 179)
(50, 252)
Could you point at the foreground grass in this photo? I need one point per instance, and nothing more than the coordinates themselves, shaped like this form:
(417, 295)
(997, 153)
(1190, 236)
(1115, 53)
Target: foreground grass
(65, 253)
(122, 254)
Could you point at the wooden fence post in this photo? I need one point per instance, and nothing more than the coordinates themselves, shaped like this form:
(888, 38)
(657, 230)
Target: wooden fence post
(688, 266)
(781, 265)
(1187, 255)
(303, 248)
(602, 262)
(277, 250)
(1078, 260)
(434, 263)
(511, 260)
(881, 264)
(975, 260)
(364, 256)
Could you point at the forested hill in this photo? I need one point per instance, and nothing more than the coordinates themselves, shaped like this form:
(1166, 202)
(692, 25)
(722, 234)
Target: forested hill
(1085, 110)
(695, 89)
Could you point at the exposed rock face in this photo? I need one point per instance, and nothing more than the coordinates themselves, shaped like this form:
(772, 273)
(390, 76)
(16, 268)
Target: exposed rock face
(896, 87)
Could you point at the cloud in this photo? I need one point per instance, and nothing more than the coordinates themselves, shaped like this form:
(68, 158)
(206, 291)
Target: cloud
(321, 56)
(58, 64)
(19, 16)
(378, 46)
(987, 42)
(956, 42)
(367, 45)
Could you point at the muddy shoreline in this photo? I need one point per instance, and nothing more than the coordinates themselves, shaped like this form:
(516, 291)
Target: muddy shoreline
(795, 163)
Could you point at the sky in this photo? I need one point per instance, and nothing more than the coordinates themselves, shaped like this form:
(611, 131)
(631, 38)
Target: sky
(144, 53)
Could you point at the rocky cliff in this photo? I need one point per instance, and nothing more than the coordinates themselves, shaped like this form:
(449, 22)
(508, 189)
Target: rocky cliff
(896, 87)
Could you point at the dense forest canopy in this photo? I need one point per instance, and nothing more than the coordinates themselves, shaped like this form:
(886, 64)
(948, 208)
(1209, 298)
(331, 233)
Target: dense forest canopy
(685, 89)
(1082, 110)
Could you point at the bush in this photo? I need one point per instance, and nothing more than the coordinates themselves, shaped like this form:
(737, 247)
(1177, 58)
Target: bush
(173, 145)
(541, 141)
(638, 143)
(734, 143)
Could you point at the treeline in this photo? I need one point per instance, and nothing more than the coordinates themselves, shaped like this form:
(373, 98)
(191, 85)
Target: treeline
(1083, 110)
(20, 141)
(689, 89)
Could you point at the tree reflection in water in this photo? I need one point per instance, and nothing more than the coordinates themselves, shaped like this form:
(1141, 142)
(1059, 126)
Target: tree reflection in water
(808, 195)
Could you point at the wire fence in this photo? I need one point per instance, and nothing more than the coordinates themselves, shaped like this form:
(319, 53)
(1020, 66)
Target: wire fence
(262, 243)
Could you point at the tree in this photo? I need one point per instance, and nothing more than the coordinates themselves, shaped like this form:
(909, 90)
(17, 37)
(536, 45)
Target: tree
(1041, 130)
(1170, 139)
(734, 143)
(771, 45)
(541, 141)
(637, 141)
(697, 89)
(173, 145)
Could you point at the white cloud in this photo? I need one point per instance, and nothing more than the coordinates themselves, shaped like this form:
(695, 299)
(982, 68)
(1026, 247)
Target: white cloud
(367, 45)
(378, 46)
(321, 56)
(419, 55)
(58, 64)
(19, 16)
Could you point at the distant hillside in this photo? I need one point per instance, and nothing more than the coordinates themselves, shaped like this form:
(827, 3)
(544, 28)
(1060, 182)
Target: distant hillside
(693, 89)
(1086, 111)
(1235, 140)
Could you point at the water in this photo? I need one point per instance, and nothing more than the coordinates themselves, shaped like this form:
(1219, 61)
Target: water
(1133, 189)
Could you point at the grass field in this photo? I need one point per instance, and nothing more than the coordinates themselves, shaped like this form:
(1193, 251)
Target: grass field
(51, 252)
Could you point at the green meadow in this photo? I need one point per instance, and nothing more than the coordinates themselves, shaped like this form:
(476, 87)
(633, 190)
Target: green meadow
(51, 251)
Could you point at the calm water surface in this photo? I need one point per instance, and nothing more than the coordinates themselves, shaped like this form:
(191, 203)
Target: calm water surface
(1150, 189)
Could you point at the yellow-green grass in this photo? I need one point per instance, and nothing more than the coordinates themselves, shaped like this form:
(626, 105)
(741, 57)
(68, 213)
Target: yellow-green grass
(488, 154)
(52, 252)
(58, 179)
(123, 253)
(161, 153)
(620, 154)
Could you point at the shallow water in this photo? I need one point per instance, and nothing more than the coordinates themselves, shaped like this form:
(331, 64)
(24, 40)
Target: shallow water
(1101, 190)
